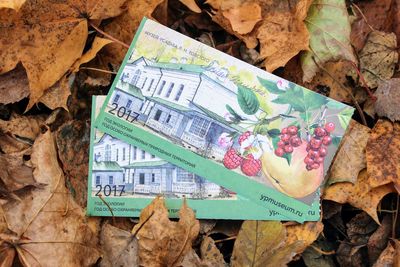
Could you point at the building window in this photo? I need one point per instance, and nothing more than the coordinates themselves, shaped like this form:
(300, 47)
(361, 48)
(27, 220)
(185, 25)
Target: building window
(178, 95)
(107, 155)
(123, 153)
(134, 152)
(150, 85)
(158, 114)
(199, 126)
(98, 180)
(110, 180)
(168, 118)
(116, 156)
(161, 88)
(128, 104)
(171, 86)
(116, 98)
(144, 82)
(184, 176)
(141, 178)
(143, 154)
(153, 177)
(136, 77)
(153, 156)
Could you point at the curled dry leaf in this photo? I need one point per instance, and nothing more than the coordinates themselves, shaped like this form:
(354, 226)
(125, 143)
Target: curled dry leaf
(263, 243)
(378, 58)
(14, 86)
(14, 173)
(191, 4)
(329, 27)
(120, 247)
(379, 239)
(57, 95)
(388, 98)
(48, 226)
(244, 17)
(281, 32)
(27, 127)
(124, 27)
(210, 254)
(307, 233)
(350, 158)
(390, 256)
(9, 144)
(47, 37)
(360, 194)
(383, 154)
(163, 242)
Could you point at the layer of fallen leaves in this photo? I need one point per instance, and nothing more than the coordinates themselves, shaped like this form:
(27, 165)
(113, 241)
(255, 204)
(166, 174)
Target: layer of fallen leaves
(62, 53)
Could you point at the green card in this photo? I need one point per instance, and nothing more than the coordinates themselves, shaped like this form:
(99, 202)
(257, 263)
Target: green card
(265, 138)
(128, 178)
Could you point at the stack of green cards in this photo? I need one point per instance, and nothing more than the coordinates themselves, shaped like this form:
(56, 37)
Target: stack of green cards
(185, 120)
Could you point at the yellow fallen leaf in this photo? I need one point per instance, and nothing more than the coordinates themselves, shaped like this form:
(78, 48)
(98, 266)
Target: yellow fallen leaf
(360, 194)
(281, 32)
(57, 95)
(383, 154)
(243, 18)
(350, 158)
(18, 81)
(13, 4)
(163, 242)
(307, 233)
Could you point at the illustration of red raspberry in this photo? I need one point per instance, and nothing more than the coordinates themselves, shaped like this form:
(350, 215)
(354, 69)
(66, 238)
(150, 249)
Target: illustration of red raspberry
(244, 136)
(232, 159)
(250, 166)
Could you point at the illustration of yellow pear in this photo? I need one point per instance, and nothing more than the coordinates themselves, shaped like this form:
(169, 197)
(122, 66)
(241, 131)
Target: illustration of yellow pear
(293, 180)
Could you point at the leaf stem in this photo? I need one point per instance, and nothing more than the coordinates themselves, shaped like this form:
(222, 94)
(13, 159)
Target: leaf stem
(365, 86)
(99, 70)
(109, 36)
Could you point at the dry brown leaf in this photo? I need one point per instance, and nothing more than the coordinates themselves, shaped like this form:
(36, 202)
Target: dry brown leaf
(50, 228)
(378, 58)
(14, 173)
(390, 256)
(281, 33)
(360, 195)
(57, 95)
(244, 17)
(383, 154)
(191, 4)
(97, 45)
(9, 144)
(27, 127)
(14, 86)
(378, 14)
(388, 98)
(48, 37)
(379, 239)
(72, 140)
(350, 158)
(124, 27)
(163, 242)
(338, 70)
(307, 233)
(263, 243)
(120, 247)
(210, 254)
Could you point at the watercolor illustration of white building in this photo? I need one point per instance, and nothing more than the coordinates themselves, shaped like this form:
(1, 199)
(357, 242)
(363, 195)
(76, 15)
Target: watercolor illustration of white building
(184, 102)
(116, 163)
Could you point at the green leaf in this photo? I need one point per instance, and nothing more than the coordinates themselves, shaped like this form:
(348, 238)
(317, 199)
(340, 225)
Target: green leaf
(336, 140)
(274, 132)
(333, 104)
(233, 112)
(270, 86)
(247, 100)
(275, 141)
(344, 117)
(261, 129)
(329, 27)
(301, 99)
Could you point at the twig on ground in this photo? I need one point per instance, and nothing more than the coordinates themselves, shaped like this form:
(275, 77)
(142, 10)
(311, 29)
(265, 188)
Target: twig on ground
(109, 36)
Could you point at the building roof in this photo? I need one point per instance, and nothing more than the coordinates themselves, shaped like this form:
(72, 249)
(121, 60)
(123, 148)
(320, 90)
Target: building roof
(169, 104)
(147, 164)
(177, 66)
(130, 89)
(106, 166)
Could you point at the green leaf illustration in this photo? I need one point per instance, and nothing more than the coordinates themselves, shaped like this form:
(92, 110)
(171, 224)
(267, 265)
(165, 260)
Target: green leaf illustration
(336, 140)
(270, 86)
(275, 141)
(233, 113)
(332, 104)
(274, 132)
(247, 100)
(344, 117)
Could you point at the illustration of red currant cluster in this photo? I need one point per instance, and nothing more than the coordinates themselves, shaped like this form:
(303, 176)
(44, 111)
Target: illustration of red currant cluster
(249, 165)
(289, 139)
(317, 146)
